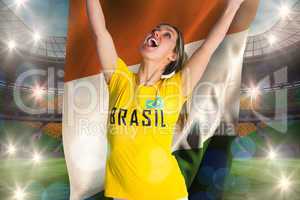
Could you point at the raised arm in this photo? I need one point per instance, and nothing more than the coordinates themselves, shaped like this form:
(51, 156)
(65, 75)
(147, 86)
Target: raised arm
(105, 45)
(196, 65)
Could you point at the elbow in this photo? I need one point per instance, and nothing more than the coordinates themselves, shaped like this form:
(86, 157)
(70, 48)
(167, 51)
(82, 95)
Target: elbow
(209, 48)
(212, 44)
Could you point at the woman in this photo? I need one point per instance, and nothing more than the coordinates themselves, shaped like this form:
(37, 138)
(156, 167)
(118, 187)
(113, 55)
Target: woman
(144, 107)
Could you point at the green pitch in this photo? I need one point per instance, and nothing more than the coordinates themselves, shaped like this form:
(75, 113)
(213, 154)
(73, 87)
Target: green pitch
(249, 179)
(262, 179)
(47, 180)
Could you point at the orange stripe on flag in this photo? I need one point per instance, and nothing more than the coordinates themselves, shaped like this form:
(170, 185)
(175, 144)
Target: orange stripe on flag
(129, 21)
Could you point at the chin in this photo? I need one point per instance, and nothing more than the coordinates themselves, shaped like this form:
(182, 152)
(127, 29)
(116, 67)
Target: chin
(146, 53)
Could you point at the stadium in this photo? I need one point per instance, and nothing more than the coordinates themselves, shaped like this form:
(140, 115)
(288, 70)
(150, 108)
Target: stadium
(266, 158)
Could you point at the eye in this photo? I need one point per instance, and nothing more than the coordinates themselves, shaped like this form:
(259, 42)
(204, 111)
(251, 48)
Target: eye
(167, 34)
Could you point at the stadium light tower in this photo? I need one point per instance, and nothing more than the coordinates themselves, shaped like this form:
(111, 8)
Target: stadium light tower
(19, 194)
(11, 45)
(272, 39)
(284, 184)
(36, 37)
(272, 155)
(11, 149)
(284, 11)
(36, 158)
(38, 92)
(20, 2)
(254, 92)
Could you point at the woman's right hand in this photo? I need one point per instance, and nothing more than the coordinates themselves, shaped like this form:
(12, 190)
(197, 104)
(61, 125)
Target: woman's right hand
(105, 46)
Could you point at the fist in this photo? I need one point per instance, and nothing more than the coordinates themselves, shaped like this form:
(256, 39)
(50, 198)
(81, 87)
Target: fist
(235, 2)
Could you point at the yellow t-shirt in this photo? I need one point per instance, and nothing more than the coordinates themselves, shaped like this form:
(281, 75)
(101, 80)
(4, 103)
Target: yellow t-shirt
(141, 122)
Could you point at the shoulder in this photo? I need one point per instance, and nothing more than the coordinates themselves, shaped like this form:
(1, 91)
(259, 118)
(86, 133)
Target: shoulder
(121, 70)
(121, 66)
(176, 77)
(121, 76)
(175, 85)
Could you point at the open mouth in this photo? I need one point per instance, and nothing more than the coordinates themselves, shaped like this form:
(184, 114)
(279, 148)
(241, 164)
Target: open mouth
(152, 42)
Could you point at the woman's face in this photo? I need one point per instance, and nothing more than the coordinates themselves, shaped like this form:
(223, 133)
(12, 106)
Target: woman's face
(159, 44)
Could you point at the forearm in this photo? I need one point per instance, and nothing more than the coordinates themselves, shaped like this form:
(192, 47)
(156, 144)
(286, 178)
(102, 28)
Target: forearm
(105, 46)
(96, 17)
(196, 65)
(219, 31)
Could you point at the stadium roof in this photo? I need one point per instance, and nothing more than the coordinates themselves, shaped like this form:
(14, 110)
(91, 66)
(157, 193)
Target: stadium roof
(283, 34)
(12, 27)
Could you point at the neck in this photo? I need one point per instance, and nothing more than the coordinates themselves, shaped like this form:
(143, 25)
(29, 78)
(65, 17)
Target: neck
(150, 72)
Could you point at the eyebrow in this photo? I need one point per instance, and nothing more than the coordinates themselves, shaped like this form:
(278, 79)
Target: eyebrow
(169, 29)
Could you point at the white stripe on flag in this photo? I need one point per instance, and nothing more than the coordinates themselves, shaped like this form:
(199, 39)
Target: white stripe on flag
(216, 98)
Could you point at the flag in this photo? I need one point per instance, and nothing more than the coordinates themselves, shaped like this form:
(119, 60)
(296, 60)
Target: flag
(85, 103)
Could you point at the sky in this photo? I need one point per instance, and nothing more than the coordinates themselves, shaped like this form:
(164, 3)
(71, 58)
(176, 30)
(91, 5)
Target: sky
(50, 16)
(46, 16)
(267, 14)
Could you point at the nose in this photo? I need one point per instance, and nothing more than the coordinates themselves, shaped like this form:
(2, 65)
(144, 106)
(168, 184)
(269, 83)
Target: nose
(155, 33)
